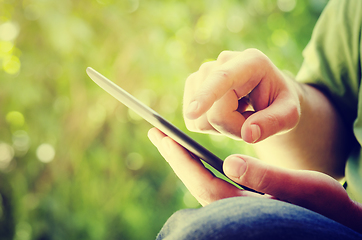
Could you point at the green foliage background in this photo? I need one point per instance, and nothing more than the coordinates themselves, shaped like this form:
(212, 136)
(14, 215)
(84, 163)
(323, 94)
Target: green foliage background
(99, 176)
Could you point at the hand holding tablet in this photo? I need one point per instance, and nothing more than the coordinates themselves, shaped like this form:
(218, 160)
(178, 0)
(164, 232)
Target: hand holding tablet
(158, 121)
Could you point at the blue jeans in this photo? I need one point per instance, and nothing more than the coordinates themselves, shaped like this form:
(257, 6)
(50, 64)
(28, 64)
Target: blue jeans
(253, 218)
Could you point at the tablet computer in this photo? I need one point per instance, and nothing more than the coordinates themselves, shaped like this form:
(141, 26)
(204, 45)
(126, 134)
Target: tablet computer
(158, 121)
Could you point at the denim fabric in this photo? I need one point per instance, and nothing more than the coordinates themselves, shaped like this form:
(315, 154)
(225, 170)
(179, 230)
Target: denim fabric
(252, 218)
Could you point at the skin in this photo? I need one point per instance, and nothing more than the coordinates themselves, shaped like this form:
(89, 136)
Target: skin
(244, 96)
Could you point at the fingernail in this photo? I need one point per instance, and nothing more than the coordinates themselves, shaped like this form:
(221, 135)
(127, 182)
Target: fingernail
(255, 132)
(235, 167)
(192, 107)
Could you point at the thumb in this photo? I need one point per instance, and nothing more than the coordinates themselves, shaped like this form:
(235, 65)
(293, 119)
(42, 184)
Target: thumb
(282, 115)
(256, 174)
(308, 189)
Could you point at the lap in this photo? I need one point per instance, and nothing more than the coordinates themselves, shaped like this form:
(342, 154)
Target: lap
(252, 218)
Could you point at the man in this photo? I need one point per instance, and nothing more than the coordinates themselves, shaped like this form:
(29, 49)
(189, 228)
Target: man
(312, 127)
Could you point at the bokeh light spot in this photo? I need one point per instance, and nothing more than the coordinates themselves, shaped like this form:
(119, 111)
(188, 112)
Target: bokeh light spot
(9, 31)
(276, 21)
(146, 96)
(286, 5)
(133, 5)
(203, 30)
(21, 142)
(169, 103)
(15, 119)
(6, 46)
(45, 152)
(280, 37)
(23, 231)
(235, 24)
(134, 161)
(97, 114)
(11, 64)
(133, 116)
(32, 12)
(6, 155)
(176, 49)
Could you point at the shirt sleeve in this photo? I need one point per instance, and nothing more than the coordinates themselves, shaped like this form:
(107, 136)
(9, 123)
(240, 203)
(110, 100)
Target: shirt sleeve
(332, 57)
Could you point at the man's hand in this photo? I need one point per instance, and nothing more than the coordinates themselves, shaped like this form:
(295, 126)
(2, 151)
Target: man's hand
(309, 189)
(202, 184)
(241, 95)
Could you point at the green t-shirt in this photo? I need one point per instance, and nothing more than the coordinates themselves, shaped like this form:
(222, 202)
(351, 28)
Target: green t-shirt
(332, 60)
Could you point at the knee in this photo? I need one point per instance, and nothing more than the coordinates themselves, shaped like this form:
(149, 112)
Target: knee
(223, 219)
(252, 218)
(181, 225)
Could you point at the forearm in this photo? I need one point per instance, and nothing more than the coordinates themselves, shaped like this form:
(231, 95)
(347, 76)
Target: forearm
(318, 142)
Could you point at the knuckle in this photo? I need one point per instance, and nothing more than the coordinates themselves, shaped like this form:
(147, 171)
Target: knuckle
(254, 51)
(221, 74)
(206, 94)
(263, 182)
(206, 67)
(224, 56)
(285, 122)
(258, 55)
(216, 120)
(273, 122)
